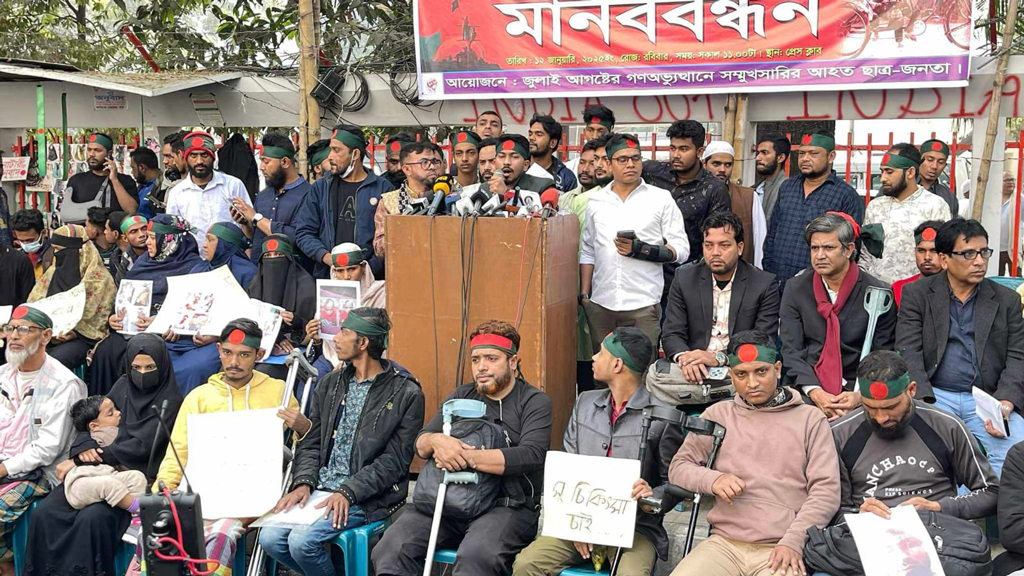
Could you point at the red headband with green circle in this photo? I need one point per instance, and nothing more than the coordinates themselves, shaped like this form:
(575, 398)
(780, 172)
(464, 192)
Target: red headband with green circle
(236, 336)
(748, 353)
(883, 390)
(926, 235)
(494, 341)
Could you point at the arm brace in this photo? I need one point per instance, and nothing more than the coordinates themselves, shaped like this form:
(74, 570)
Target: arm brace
(652, 252)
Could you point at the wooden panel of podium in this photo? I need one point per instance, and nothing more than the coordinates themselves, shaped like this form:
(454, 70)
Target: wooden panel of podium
(505, 265)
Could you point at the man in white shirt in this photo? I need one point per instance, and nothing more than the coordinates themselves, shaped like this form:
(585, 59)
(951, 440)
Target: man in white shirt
(1006, 229)
(204, 198)
(631, 229)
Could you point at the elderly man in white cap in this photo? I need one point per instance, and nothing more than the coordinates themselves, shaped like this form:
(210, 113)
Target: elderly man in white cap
(718, 159)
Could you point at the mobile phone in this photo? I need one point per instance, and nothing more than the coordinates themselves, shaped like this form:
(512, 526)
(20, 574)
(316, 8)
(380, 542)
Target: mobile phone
(627, 234)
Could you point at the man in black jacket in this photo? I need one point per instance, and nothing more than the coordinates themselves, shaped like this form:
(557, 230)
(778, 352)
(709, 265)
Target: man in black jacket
(1011, 514)
(488, 543)
(716, 297)
(959, 330)
(357, 452)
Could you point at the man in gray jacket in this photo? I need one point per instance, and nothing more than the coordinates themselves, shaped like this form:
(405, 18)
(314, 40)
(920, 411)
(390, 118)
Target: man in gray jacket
(895, 450)
(608, 423)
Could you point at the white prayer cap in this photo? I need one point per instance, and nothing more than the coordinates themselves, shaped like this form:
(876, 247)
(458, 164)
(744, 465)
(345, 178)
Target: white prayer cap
(718, 147)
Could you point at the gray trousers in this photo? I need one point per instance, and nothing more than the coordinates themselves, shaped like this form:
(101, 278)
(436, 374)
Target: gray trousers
(602, 321)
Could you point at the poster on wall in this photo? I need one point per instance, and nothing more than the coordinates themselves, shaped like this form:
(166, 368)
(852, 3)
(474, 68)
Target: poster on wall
(522, 48)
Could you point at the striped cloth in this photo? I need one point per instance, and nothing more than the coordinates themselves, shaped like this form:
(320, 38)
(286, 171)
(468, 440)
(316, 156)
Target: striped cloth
(15, 499)
(221, 541)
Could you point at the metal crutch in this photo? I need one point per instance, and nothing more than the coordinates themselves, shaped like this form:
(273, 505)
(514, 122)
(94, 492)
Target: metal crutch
(462, 408)
(877, 301)
(296, 363)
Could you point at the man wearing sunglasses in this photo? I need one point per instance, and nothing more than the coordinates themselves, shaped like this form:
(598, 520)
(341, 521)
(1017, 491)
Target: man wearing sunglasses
(958, 330)
(422, 162)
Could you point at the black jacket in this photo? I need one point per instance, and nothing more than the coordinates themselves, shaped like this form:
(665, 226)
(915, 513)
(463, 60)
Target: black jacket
(384, 444)
(923, 331)
(697, 199)
(689, 316)
(802, 329)
(1011, 512)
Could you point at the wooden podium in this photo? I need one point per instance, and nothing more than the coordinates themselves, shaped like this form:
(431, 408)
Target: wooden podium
(508, 264)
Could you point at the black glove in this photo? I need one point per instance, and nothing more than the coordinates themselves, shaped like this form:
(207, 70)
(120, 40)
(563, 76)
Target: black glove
(651, 252)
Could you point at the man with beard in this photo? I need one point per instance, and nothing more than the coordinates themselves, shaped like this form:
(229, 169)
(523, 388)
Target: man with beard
(488, 543)
(900, 451)
(959, 330)
(599, 121)
(607, 423)
(934, 155)
(133, 232)
(317, 152)
(365, 418)
(718, 158)
(422, 163)
(393, 151)
(173, 151)
(925, 255)
(488, 125)
(340, 207)
(576, 199)
(277, 206)
(900, 208)
(696, 192)
(487, 163)
(146, 172)
(770, 159)
(802, 198)
(101, 186)
(773, 480)
(545, 134)
(715, 297)
(238, 387)
(37, 393)
(465, 158)
(820, 358)
(205, 197)
(512, 162)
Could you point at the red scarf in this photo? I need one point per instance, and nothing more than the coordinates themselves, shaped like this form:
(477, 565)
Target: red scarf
(829, 368)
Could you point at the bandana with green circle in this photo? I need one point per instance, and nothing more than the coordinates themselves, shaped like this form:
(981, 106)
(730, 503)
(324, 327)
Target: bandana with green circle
(883, 390)
(619, 351)
(748, 353)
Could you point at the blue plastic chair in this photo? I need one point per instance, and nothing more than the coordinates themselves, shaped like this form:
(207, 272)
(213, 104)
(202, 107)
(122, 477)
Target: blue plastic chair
(448, 557)
(355, 548)
(1008, 281)
(20, 538)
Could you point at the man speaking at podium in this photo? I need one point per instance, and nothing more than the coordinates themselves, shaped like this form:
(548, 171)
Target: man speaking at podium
(512, 161)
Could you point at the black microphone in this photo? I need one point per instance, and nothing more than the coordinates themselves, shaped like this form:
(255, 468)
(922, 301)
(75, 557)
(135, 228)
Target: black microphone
(156, 439)
(417, 206)
(160, 419)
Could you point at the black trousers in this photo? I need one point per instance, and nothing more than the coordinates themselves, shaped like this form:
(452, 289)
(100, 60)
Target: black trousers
(487, 545)
(71, 353)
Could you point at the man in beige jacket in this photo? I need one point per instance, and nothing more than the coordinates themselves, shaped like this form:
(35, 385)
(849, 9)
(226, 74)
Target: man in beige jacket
(776, 475)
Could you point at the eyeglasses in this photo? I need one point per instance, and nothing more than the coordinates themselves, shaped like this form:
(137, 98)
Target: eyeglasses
(970, 255)
(623, 160)
(23, 331)
(426, 163)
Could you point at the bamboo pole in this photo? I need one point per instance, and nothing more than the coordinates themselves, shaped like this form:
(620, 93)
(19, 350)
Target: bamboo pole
(739, 143)
(309, 110)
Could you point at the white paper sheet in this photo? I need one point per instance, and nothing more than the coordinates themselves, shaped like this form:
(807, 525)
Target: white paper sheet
(334, 300)
(235, 462)
(191, 299)
(64, 308)
(230, 308)
(133, 300)
(894, 547)
(589, 498)
(988, 408)
(296, 516)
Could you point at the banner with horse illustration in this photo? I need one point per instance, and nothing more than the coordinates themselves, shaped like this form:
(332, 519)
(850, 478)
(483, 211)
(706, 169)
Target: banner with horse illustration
(526, 48)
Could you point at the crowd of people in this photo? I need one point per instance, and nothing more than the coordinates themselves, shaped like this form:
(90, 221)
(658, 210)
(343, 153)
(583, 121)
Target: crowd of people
(833, 403)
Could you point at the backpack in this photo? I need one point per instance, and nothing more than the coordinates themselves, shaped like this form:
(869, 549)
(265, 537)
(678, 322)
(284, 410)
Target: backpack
(962, 546)
(666, 383)
(463, 501)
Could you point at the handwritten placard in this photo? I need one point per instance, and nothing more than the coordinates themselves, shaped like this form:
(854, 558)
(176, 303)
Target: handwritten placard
(589, 499)
(65, 309)
(15, 168)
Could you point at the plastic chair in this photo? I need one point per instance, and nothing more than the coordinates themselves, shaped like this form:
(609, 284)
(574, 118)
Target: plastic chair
(1008, 281)
(355, 548)
(448, 557)
(20, 538)
(444, 557)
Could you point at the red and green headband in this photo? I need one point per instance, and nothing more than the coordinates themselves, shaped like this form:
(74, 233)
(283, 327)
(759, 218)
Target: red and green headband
(349, 139)
(509, 145)
(102, 140)
(624, 142)
(619, 351)
(748, 353)
(236, 336)
(926, 235)
(318, 158)
(492, 341)
(819, 140)
(343, 259)
(935, 146)
(595, 120)
(277, 244)
(133, 220)
(161, 228)
(33, 315)
(199, 141)
(277, 153)
(897, 161)
(465, 137)
(883, 390)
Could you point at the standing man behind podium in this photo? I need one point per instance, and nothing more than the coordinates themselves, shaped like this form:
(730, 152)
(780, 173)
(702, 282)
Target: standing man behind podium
(631, 229)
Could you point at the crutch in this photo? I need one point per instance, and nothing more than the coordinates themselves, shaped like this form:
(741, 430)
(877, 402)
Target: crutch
(877, 301)
(297, 364)
(461, 408)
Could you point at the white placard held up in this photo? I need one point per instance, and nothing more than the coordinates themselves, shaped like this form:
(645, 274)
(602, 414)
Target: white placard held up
(988, 408)
(235, 462)
(335, 298)
(267, 316)
(894, 547)
(190, 301)
(589, 499)
(15, 168)
(5, 317)
(296, 516)
(64, 308)
(132, 302)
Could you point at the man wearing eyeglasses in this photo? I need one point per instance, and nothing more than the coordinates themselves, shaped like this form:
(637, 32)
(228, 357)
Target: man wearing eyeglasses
(422, 163)
(958, 330)
(37, 392)
(631, 229)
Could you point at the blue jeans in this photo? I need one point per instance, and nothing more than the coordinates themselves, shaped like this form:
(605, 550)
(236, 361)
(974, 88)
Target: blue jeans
(962, 404)
(303, 549)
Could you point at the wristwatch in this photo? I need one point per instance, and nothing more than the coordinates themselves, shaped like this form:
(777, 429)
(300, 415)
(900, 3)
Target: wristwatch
(256, 218)
(721, 358)
(584, 296)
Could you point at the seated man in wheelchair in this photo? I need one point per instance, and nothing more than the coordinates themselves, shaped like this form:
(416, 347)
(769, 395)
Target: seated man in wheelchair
(365, 418)
(608, 422)
(776, 473)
